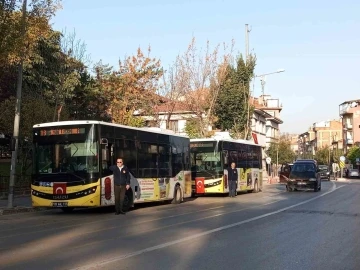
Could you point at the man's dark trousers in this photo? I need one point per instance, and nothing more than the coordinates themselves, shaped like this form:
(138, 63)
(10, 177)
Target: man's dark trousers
(232, 188)
(119, 191)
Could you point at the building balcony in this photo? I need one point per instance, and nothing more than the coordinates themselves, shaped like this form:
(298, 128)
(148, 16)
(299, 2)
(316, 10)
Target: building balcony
(348, 125)
(349, 141)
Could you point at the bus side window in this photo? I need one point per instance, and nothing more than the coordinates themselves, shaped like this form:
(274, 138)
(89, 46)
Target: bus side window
(186, 159)
(164, 161)
(225, 157)
(234, 157)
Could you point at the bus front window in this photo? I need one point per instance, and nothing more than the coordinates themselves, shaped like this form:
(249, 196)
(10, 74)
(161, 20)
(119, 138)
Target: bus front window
(206, 162)
(74, 157)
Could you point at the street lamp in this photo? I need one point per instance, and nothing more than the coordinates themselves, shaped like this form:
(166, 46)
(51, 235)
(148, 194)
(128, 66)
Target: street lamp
(263, 78)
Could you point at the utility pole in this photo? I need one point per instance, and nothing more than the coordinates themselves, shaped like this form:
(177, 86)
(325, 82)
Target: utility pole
(247, 31)
(262, 78)
(246, 63)
(15, 139)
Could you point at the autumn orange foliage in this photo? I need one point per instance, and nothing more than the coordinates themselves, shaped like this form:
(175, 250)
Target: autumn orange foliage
(132, 87)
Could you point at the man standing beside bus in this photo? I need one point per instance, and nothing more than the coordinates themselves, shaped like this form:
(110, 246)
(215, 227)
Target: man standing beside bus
(121, 184)
(233, 178)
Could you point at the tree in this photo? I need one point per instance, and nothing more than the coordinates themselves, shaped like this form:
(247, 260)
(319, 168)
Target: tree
(354, 152)
(282, 150)
(175, 81)
(192, 128)
(33, 111)
(67, 79)
(232, 107)
(336, 154)
(52, 74)
(203, 71)
(74, 47)
(132, 87)
(83, 105)
(12, 44)
(323, 155)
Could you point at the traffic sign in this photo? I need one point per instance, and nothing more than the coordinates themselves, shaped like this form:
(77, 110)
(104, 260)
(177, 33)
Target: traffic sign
(268, 160)
(342, 164)
(342, 158)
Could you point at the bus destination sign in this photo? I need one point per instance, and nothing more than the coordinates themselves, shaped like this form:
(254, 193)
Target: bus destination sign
(62, 131)
(202, 144)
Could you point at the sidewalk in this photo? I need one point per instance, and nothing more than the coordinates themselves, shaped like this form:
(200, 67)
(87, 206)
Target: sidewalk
(20, 205)
(270, 180)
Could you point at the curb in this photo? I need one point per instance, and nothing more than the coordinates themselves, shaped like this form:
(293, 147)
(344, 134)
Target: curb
(19, 209)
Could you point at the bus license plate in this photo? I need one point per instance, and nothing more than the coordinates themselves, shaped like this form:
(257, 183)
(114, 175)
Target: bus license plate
(59, 204)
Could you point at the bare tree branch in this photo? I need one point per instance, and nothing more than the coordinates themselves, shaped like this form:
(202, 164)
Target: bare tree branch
(74, 47)
(204, 71)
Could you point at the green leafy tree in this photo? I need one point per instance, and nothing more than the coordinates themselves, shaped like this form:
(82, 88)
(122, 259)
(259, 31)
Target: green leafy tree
(232, 107)
(52, 74)
(42, 68)
(336, 154)
(192, 129)
(84, 104)
(33, 111)
(282, 150)
(354, 152)
(323, 155)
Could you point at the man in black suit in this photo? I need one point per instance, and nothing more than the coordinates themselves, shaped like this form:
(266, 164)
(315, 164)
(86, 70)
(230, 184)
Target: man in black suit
(121, 184)
(233, 178)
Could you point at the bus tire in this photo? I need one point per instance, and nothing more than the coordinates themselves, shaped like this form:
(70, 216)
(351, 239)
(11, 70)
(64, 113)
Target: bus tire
(128, 200)
(177, 195)
(67, 209)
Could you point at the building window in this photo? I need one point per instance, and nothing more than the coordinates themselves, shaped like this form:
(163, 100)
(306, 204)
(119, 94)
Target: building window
(174, 125)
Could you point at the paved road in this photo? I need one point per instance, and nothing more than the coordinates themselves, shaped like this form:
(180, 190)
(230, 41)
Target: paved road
(268, 230)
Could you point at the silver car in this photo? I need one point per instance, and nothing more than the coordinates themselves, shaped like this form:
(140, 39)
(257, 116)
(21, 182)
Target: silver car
(353, 173)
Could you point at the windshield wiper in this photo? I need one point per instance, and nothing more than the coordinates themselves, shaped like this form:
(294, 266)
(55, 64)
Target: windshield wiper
(212, 175)
(77, 148)
(73, 174)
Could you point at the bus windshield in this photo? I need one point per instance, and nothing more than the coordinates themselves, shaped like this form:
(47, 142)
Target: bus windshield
(205, 160)
(66, 154)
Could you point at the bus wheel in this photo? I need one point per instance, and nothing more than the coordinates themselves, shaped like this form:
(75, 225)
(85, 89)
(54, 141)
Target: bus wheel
(177, 195)
(128, 200)
(256, 187)
(67, 209)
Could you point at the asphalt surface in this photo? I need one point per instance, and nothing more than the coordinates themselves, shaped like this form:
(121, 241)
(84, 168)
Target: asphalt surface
(272, 229)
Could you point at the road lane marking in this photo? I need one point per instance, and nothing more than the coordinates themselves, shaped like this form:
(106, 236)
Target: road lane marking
(101, 220)
(192, 237)
(116, 218)
(160, 228)
(167, 226)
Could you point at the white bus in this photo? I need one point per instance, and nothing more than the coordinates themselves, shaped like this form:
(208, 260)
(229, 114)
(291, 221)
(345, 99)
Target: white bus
(72, 159)
(211, 158)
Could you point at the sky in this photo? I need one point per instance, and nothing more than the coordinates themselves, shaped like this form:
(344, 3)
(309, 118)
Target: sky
(316, 42)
